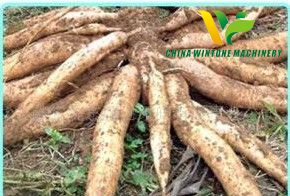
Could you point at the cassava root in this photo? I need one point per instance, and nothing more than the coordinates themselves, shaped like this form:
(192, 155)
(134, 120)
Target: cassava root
(228, 91)
(44, 17)
(68, 71)
(243, 142)
(16, 91)
(159, 124)
(225, 164)
(68, 112)
(69, 21)
(46, 52)
(110, 130)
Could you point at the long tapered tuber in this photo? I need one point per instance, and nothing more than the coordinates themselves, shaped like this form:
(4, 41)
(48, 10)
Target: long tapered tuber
(247, 69)
(236, 68)
(110, 130)
(228, 91)
(68, 71)
(159, 124)
(66, 22)
(214, 150)
(243, 142)
(69, 112)
(16, 91)
(46, 52)
(44, 17)
(31, 34)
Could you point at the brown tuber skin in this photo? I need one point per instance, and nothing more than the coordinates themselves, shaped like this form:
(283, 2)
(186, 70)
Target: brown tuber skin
(159, 124)
(68, 71)
(193, 40)
(179, 18)
(69, 112)
(235, 68)
(68, 21)
(276, 41)
(44, 17)
(30, 34)
(243, 142)
(225, 164)
(46, 52)
(110, 130)
(228, 91)
(139, 57)
(16, 91)
(247, 69)
(144, 72)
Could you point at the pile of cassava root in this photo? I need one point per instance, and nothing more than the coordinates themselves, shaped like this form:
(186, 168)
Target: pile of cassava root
(71, 63)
